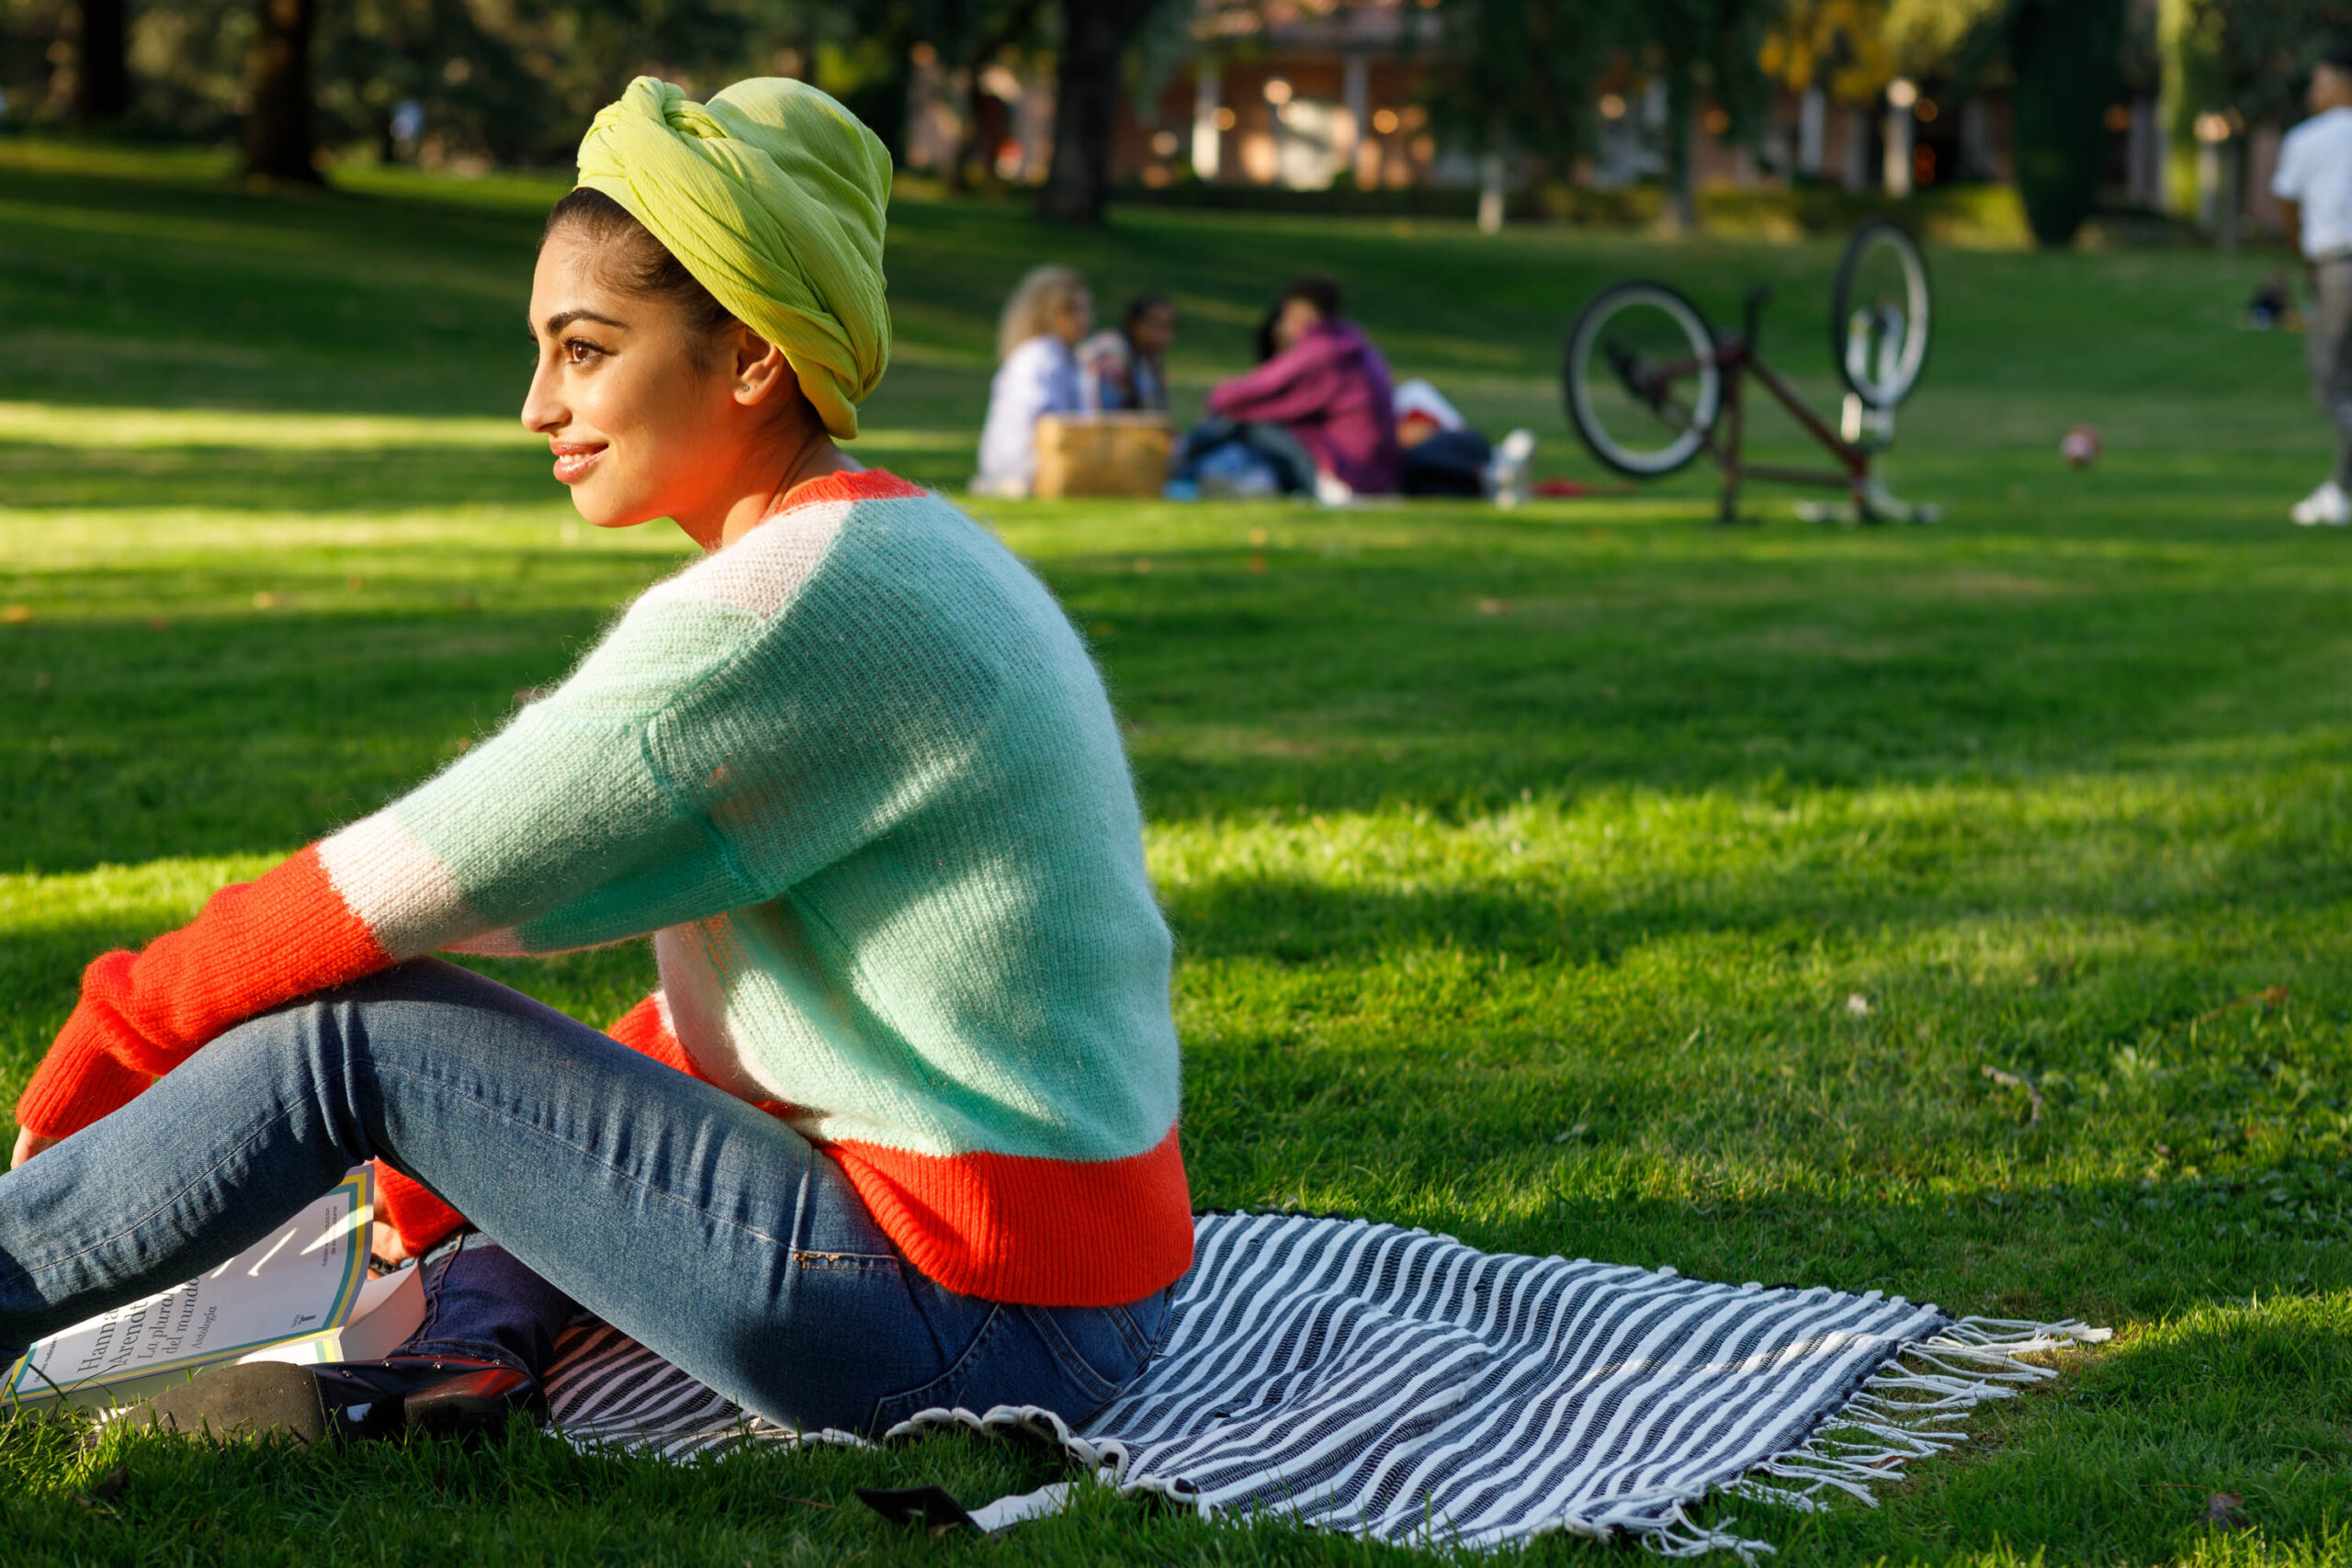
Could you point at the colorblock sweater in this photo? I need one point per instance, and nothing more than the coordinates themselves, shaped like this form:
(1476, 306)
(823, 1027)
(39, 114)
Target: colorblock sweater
(859, 778)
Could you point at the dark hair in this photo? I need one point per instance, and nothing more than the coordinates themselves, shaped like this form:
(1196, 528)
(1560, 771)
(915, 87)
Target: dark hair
(1143, 305)
(1317, 290)
(2338, 59)
(641, 263)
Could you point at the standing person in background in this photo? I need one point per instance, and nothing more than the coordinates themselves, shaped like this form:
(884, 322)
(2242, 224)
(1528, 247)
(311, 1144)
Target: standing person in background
(1036, 374)
(1327, 386)
(1129, 365)
(2315, 190)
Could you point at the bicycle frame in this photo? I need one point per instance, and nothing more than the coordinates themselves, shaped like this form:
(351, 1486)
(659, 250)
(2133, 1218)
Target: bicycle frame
(1735, 358)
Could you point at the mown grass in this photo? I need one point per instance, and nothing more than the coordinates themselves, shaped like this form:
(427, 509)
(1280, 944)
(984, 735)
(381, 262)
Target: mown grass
(1582, 879)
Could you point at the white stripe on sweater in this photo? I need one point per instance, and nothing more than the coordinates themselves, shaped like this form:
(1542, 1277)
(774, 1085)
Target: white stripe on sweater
(410, 902)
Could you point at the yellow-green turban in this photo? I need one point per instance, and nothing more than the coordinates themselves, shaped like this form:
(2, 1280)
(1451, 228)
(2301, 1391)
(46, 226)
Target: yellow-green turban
(772, 194)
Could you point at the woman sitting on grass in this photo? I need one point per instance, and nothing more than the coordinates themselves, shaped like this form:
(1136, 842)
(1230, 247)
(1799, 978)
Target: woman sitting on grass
(899, 1130)
(1317, 410)
(1038, 373)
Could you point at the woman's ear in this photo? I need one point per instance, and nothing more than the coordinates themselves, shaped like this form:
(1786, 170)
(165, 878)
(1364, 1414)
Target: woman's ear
(760, 368)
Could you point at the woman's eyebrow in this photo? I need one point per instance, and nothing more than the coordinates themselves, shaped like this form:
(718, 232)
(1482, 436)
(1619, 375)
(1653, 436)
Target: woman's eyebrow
(563, 319)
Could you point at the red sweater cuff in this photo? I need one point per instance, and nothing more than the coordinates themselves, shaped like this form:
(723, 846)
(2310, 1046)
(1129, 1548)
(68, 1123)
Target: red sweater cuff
(421, 1219)
(82, 1079)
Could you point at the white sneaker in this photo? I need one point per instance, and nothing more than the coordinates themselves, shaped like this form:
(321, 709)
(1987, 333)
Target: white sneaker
(1508, 475)
(2328, 504)
(1331, 490)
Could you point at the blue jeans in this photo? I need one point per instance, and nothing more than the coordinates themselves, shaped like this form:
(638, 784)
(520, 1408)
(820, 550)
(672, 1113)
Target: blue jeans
(708, 1231)
(1293, 463)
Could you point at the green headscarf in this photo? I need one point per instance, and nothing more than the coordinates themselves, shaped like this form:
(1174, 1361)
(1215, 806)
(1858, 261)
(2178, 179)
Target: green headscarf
(772, 194)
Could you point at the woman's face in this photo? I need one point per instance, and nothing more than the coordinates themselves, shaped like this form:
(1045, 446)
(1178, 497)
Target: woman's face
(641, 426)
(1292, 321)
(1154, 330)
(1073, 315)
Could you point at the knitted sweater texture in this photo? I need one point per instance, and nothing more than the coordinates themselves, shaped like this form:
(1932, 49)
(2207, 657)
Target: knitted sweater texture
(857, 775)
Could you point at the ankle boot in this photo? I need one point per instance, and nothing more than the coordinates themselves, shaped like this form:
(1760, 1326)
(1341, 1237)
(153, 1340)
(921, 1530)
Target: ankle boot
(350, 1401)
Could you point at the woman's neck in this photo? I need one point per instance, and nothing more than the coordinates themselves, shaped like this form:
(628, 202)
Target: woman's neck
(767, 481)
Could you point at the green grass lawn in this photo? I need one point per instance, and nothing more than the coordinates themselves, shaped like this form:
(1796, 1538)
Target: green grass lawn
(1582, 879)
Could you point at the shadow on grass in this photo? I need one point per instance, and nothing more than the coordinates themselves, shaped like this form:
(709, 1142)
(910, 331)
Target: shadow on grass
(1231, 708)
(2118, 1461)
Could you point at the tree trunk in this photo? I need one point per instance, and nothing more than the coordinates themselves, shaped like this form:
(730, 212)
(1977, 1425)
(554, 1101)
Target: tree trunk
(977, 143)
(1681, 150)
(101, 63)
(1086, 104)
(280, 143)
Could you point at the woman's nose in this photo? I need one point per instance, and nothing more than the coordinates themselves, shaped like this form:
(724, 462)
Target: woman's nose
(543, 410)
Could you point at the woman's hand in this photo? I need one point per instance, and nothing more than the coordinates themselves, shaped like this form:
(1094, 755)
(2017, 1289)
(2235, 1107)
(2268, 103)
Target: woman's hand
(385, 1243)
(29, 1143)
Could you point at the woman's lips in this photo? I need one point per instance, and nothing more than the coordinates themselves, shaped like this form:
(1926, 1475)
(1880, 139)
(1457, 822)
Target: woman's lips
(574, 460)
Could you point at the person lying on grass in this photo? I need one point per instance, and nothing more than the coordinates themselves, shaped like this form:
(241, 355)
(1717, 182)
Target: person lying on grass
(900, 1129)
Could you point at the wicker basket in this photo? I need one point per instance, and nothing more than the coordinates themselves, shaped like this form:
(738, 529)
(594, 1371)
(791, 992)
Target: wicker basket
(1101, 454)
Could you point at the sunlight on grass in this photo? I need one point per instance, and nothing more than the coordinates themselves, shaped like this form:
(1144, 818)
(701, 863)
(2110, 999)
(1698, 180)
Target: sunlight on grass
(134, 429)
(1579, 879)
(130, 428)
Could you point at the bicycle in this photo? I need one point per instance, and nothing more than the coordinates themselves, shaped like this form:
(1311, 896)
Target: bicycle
(1650, 385)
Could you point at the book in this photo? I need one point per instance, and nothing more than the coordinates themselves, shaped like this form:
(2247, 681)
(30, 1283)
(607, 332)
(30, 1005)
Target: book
(302, 1294)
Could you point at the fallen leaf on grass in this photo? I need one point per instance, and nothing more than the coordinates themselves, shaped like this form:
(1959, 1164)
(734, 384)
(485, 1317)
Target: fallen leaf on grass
(2268, 997)
(2010, 1080)
(1857, 1004)
(2226, 1511)
(15, 614)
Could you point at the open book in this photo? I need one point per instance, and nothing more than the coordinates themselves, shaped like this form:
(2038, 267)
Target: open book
(303, 1293)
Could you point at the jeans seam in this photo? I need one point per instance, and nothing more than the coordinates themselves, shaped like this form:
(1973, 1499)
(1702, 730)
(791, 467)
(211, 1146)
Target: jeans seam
(130, 1226)
(1125, 1322)
(958, 1368)
(638, 1182)
(1074, 1366)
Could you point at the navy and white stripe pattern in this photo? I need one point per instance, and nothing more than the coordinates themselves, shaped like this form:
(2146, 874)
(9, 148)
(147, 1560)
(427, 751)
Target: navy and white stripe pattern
(1399, 1385)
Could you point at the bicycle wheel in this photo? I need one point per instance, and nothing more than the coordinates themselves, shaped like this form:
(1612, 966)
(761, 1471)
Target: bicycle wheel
(1879, 314)
(1642, 384)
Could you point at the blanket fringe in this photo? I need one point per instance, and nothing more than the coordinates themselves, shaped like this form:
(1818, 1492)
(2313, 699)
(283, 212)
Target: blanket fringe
(1908, 1412)
(1683, 1535)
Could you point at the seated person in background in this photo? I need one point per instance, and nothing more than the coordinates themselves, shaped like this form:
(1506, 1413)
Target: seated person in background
(1036, 374)
(1129, 365)
(1443, 455)
(1324, 390)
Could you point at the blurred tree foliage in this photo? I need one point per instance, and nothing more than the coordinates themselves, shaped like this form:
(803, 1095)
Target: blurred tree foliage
(1526, 74)
(2258, 54)
(511, 81)
(2067, 59)
(1852, 49)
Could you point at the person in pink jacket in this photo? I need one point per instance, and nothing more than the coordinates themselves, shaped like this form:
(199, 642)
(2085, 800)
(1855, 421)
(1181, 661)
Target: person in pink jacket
(1326, 385)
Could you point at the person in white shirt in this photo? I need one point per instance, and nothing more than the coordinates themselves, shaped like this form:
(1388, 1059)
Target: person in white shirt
(1128, 364)
(2315, 190)
(1036, 374)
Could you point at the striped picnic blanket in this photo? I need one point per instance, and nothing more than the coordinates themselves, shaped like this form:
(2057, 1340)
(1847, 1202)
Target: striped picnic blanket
(1396, 1385)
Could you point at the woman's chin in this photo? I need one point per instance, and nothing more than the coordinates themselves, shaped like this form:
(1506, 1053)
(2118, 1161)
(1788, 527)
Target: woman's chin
(599, 511)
